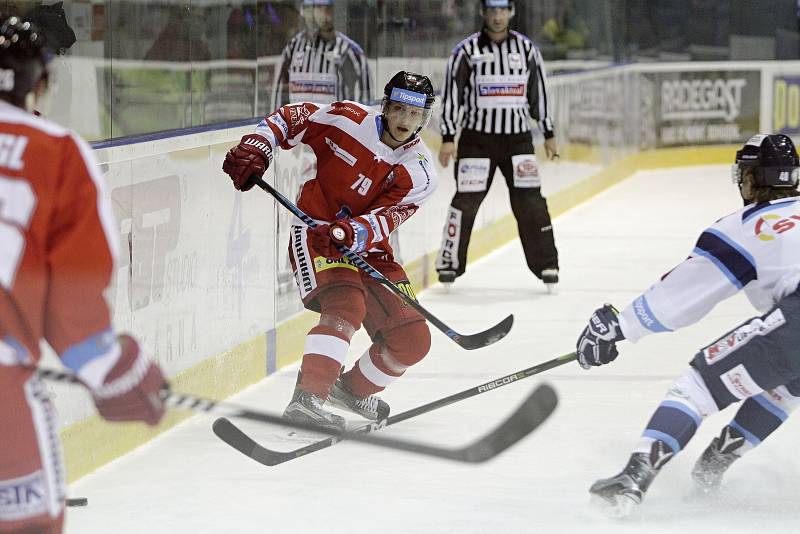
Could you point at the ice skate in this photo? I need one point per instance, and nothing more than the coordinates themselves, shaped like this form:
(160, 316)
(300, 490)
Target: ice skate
(618, 495)
(370, 407)
(550, 279)
(307, 408)
(716, 459)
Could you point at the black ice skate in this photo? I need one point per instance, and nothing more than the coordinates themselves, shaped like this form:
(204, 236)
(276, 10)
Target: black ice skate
(550, 279)
(370, 407)
(716, 459)
(617, 495)
(307, 408)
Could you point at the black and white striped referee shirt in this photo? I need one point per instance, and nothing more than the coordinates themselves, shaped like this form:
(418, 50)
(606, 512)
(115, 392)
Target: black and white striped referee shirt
(495, 87)
(315, 70)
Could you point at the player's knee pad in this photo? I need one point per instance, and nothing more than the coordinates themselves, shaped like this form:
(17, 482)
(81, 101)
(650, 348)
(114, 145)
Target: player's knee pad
(408, 344)
(342, 309)
(691, 391)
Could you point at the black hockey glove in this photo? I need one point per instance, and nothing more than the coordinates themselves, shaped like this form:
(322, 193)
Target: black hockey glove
(597, 344)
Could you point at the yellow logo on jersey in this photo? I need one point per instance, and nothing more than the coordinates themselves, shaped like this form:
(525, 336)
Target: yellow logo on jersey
(323, 264)
(769, 226)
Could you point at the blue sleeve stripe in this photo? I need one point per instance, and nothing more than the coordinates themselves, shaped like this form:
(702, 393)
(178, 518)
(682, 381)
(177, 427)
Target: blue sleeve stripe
(647, 317)
(749, 436)
(733, 244)
(671, 442)
(771, 408)
(734, 262)
(685, 409)
(79, 354)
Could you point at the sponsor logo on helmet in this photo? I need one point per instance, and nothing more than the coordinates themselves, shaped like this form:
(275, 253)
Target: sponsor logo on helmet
(408, 97)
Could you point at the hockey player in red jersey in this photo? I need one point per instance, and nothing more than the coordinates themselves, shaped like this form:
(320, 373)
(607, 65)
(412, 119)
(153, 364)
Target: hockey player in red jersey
(57, 251)
(373, 174)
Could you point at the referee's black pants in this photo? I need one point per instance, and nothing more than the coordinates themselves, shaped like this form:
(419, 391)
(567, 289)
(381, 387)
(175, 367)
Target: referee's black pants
(479, 155)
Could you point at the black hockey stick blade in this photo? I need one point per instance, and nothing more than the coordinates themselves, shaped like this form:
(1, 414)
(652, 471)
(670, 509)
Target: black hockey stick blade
(469, 342)
(532, 413)
(485, 338)
(528, 417)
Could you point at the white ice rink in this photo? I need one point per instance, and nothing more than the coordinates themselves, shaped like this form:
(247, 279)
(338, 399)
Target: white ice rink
(611, 248)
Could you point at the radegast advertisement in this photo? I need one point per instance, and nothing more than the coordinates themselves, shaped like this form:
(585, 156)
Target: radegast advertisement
(706, 107)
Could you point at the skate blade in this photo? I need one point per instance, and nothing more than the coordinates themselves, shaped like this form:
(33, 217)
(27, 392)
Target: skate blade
(621, 507)
(552, 289)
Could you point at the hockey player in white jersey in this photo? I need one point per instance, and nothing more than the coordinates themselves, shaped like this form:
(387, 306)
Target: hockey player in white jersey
(755, 249)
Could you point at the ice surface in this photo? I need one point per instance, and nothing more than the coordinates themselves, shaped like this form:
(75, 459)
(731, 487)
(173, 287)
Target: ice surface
(612, 248)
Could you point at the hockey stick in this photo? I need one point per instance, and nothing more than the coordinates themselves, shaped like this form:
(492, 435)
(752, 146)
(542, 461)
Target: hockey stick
(536, 408)
(469, 342)
(233, 436)
(525, 419)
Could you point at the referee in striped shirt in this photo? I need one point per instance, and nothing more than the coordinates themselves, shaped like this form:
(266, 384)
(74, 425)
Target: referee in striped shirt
(321, 65)
(495, 84)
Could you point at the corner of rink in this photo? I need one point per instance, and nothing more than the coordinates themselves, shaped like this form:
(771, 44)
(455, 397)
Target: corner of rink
(91, 442)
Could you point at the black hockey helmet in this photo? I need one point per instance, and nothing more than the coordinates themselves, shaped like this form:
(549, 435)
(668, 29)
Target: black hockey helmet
(773, 160)
(409, 88)
(23, 59)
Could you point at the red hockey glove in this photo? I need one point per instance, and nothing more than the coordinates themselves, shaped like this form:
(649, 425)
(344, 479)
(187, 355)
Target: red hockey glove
(131, 391)
(248, 160)
(325, 238)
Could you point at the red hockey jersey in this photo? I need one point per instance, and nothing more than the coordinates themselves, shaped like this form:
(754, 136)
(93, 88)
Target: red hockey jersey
(358, 176)
(57, 245)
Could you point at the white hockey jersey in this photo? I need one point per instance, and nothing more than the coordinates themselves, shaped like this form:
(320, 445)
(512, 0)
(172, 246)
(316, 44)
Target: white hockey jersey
(756, 248)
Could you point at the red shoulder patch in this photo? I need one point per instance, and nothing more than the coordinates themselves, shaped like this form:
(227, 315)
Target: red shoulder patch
(350, 111)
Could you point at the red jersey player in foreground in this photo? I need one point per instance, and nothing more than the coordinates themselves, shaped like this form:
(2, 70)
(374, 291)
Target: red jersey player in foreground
(373, 173)
(57, 252)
